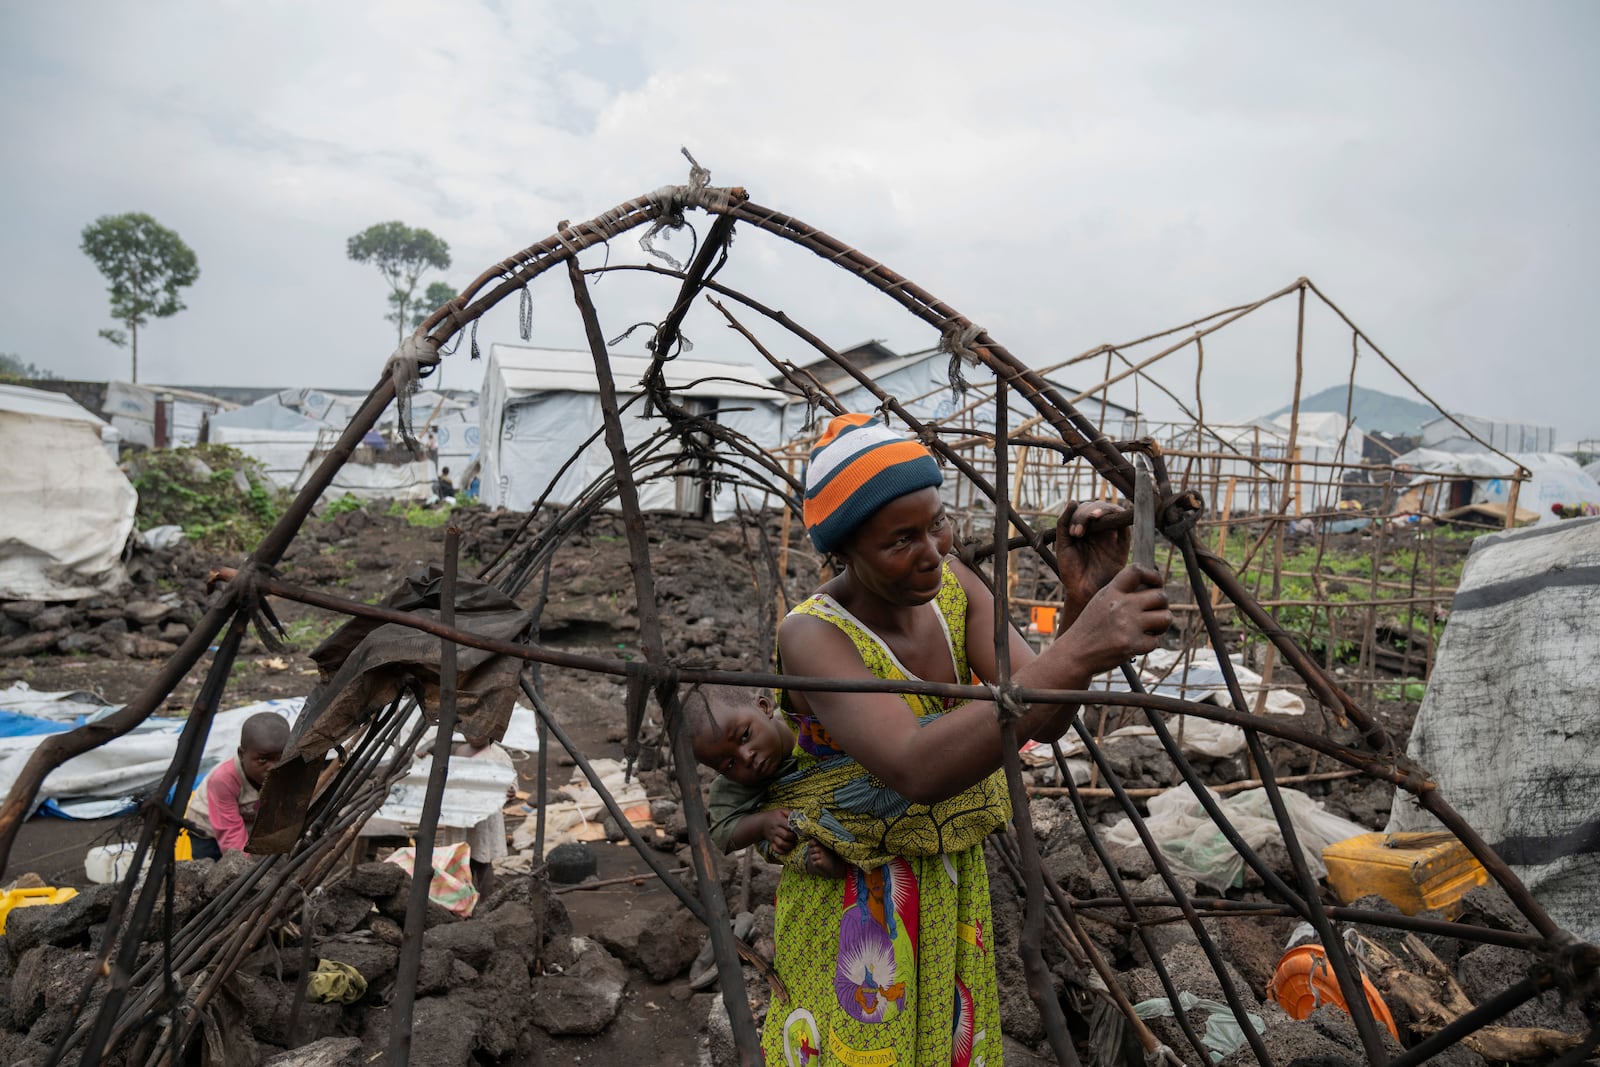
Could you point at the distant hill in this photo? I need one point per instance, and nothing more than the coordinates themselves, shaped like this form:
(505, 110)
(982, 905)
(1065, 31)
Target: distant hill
(1370, 409)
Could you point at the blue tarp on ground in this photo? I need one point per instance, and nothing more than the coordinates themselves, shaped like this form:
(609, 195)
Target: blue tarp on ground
(16, 724)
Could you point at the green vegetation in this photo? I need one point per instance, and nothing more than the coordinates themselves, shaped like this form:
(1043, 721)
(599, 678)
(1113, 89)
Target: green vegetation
(221, 497)
(418, 515)
(1314, 608)
(13, 368)
(1407, 689)
(402, 255)
(343, 506)
(309, 632)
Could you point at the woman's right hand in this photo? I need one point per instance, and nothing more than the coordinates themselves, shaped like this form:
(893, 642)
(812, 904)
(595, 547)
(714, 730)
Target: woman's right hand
(1124, 619)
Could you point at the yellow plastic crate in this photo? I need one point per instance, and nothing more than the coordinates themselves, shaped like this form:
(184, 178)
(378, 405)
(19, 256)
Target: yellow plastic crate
(28, 898)
(1414, 872)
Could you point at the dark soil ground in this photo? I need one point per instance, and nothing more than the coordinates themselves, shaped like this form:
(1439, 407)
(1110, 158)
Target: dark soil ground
(716, 611)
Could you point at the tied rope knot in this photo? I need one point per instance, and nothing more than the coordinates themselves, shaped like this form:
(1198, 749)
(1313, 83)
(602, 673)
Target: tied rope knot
(405, 368)
(252, 601)
(1006, 705)
(669, 202)
(1179, 512)
(958, 341)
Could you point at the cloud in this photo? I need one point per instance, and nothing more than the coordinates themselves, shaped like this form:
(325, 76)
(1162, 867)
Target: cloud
(1064, 174)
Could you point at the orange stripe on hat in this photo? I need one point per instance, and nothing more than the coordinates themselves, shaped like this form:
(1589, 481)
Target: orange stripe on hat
(862, 469)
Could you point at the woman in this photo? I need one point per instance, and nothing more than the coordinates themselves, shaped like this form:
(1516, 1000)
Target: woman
(892, 964)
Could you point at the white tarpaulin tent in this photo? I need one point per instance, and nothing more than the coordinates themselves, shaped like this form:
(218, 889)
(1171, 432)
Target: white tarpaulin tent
(284, 431)
(1507, 727)
(538, 405)
(133, 411)
(1442, 433)
(65, 508)
(1555, 479)
(1321, 437)
(277, 437)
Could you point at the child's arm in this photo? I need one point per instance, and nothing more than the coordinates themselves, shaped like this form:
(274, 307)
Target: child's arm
(771, 826)
(222, 795)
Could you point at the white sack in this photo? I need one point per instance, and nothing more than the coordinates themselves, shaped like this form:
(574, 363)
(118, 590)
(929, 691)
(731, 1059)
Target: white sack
(1508, 726)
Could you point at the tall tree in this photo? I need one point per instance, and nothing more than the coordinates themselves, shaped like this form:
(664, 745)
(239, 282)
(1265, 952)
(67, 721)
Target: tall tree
(402, 255)
(146, 264)
(435, 295)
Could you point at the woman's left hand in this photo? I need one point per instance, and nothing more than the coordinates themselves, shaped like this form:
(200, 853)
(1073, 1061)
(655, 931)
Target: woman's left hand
(1087, 562)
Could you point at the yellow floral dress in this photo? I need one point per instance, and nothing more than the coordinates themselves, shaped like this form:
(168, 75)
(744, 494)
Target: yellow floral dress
(892, 964)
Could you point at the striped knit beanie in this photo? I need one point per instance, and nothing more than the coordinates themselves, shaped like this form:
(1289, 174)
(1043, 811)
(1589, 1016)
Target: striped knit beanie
(857, 466)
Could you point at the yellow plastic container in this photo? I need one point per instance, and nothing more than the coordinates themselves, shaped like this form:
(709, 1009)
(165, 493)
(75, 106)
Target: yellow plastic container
(1414, 872)
(28, 898)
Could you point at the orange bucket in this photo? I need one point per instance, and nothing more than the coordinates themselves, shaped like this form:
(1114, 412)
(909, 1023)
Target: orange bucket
(1044, 619)
(1305, 980)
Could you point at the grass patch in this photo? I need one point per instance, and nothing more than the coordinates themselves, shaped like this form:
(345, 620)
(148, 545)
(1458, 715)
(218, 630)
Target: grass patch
(311, 631)
(343, 506)
(420, 516)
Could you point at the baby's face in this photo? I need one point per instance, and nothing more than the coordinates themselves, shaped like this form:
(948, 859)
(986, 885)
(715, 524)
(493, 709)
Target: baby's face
(747, 743)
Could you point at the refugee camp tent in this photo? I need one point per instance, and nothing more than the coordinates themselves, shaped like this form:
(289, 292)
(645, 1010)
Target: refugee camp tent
(1444, 434)
(291, 430)
(1507, 726)
(65, 508)
(161, 416)
(920, 382)
(1555, 479)
(277, 437)
(538, 405)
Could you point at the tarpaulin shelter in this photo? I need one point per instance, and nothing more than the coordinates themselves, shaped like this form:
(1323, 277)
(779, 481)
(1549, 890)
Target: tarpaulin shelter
(1555, 479)
(539, 404)
(1447, 434)
(1508, 726)
(65, 508)
(159, 416)
(277, 437)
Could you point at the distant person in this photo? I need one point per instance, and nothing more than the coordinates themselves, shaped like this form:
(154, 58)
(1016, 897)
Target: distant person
(223, 808)
(443, 488)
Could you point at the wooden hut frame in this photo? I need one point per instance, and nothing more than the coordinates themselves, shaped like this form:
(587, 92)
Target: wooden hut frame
(139, 1011)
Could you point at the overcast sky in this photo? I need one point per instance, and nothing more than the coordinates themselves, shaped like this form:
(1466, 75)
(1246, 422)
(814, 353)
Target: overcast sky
(1065, 175)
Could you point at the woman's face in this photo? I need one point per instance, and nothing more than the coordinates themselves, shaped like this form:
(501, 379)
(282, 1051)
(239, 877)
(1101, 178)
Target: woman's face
(898, 554)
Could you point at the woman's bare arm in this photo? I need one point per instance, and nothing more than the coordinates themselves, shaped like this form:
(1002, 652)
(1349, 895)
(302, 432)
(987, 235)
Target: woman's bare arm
(928, 763)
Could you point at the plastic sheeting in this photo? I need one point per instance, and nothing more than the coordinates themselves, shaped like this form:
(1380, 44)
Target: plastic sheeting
(66, 510)
(1201, 681)
(1503, 434)
(1508, 725)
(1556, 479)
(277, 437)
(538, 405)
(131, 764)
(1195, 847)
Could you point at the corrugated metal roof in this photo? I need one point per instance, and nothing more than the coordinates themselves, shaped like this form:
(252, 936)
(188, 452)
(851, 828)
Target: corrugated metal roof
(526, 370)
